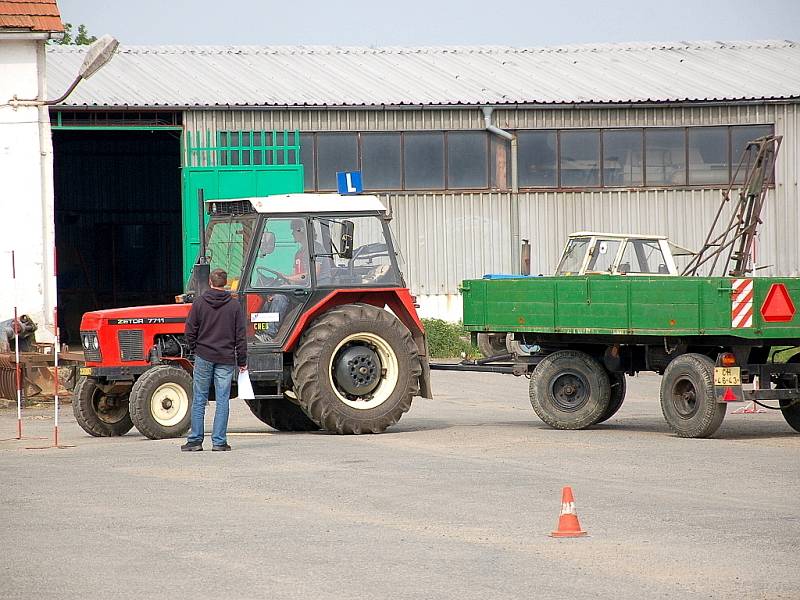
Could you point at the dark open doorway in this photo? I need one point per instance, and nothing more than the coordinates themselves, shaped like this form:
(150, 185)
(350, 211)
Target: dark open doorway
(118, 220)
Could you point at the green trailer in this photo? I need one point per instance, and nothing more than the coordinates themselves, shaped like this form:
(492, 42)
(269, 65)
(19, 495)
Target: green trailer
(616, 307)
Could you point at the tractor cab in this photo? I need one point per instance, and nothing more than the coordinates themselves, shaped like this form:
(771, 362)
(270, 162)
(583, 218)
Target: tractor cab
(285, 253)
(619, 254)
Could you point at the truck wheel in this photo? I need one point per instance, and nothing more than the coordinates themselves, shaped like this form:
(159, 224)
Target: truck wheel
(161, 402)
(356, 369)
(99, 414)
(687, 397)
(570, 390)
(791, 408)
(618, 389)
(283, 415)
(492, 344)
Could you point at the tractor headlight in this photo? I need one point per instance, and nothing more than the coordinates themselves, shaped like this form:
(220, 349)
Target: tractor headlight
(91, 345)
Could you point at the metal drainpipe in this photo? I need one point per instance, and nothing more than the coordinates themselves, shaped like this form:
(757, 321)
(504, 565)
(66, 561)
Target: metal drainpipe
(514, 204)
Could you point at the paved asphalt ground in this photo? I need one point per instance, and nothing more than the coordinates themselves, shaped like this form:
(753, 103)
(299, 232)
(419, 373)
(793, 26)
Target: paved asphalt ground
(456, 501)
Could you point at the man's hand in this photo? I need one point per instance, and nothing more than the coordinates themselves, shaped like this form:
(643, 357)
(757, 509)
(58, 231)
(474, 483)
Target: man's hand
(243, 369)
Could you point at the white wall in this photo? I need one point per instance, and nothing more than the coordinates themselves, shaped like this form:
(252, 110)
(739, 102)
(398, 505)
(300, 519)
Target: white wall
(26, 200)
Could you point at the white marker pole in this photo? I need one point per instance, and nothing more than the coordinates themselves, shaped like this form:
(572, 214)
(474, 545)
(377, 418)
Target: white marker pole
(55, 378)
(18, 367)
(56, 349)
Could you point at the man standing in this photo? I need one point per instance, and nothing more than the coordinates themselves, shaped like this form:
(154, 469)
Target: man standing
(215, 333)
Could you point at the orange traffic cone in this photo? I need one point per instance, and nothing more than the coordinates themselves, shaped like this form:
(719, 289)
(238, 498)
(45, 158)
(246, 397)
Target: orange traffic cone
(568, 525)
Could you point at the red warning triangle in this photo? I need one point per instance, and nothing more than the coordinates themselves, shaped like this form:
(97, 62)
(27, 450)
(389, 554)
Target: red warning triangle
(778, 306)
(729, 395)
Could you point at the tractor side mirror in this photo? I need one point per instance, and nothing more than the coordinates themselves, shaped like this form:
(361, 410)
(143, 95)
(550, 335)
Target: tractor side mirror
(346, 240)
(267, 244)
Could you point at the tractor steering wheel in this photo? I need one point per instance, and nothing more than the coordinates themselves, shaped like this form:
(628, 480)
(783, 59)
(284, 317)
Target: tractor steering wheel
(276, 275)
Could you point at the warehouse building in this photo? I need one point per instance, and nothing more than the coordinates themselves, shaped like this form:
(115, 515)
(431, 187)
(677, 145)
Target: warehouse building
(475, 149)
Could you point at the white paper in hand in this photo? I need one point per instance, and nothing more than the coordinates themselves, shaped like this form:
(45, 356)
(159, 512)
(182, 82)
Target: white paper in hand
(245, 387)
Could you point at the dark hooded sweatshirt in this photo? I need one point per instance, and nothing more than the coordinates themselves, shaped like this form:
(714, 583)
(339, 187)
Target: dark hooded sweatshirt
(215, 329)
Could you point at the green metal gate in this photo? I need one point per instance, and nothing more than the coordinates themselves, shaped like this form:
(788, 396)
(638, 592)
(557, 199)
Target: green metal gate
(235, 164)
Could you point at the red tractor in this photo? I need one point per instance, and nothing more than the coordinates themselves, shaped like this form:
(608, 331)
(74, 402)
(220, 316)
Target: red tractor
(334, 340)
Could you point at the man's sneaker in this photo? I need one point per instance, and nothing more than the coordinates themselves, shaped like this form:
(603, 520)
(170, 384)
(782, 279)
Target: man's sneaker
(223, 448)
(192, 447)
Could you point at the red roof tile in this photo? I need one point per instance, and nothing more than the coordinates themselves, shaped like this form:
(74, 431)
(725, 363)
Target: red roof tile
(35, 15)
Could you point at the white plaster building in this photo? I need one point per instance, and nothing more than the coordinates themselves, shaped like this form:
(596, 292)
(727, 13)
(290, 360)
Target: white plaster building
(26, 163)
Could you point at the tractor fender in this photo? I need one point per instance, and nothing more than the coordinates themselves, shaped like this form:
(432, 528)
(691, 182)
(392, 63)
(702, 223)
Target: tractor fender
(398, 300)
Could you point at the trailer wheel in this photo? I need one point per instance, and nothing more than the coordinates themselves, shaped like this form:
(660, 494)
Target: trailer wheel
(283, 415)
(570, 390)
(356, 369)
(99, 414)
(161, 402)
(791, 408)
(618, 389)
(492, 344)
(687, 397)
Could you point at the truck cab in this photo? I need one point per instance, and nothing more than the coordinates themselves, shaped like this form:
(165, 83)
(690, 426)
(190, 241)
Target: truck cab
(589, 252)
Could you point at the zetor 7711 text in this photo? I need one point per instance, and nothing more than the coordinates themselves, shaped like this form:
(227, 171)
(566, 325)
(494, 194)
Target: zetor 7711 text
(334, 340)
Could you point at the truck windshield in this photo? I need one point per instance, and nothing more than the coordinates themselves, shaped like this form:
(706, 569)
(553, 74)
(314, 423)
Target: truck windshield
(227, 240)
(573, 256)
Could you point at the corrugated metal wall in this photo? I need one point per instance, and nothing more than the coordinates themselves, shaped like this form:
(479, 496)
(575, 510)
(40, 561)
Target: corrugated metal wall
(447, 237)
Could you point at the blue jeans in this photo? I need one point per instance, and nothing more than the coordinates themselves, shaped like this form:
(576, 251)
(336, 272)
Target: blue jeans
(204, 371)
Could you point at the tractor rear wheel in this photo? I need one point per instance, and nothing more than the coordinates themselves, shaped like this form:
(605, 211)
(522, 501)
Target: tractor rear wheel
(687, 397)
(356, 369)
(98, 413)
(283, 415)
(570, 390)
(161, 402)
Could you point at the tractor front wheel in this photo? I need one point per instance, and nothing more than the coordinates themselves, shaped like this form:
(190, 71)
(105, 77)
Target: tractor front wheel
(161, 402)
(356, 369)
(98, 413)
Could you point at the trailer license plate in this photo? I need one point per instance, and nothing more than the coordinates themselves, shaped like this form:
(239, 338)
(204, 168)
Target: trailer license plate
(727, 376)
(86, 371)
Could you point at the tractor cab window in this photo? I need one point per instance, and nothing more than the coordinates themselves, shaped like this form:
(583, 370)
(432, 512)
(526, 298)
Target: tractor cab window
(643, 256)
(227, 240)
(373, 261)
(282, 258)
(572, 260)
(602, 256)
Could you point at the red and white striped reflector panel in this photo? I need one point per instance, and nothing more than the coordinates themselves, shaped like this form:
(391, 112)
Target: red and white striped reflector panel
(742, 303)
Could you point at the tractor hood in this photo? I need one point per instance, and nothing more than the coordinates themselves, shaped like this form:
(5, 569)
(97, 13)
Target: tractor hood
(137, 315)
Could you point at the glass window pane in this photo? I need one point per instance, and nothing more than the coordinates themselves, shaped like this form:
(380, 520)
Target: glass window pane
(622, 157)
(642, 256)
(500, 171)
(307, 158)
(740, 135)
(708, 155)
(580, 158)
(380, 161)
(335, 152)
(467, 160)
(282, 259)
(603, 255)
(423, 155)
(665, 156)
(572, 260)
(536, 158)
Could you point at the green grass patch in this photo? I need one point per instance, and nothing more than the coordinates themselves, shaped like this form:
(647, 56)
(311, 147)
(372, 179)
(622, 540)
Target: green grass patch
(448, 340)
